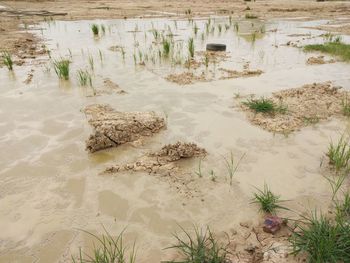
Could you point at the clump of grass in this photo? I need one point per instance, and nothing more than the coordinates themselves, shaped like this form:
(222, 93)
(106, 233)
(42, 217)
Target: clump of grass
(199, 171)
(206, 59)
(62, 68)
(250, 16)
(322, 239)
(264, 105)
(7, 60)
(95, 29)
(84, 78)
(339, 154)
(231, 166)
(200, 248)
(166, 47)
(346, 106)
(191, 47)
(343, 208)
(335, 48)
(268, 201)
(108, 249)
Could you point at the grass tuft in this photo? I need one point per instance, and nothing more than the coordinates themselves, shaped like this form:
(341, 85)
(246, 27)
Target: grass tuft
(335, 48)
(321, 239)
(62, 68)
(200, 248)
(108, 249)
(191, 47)
(84, 78)
(7, 60)
(339, 154)
(264, 105)
(268, 201)
(95, 29)
(346, 106)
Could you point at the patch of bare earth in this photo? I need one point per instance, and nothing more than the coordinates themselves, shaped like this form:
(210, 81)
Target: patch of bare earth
(319, 60)
(110, 87)
(305, 105)
(165, 164)
(250, 244)
(163, 161)
(112, 128)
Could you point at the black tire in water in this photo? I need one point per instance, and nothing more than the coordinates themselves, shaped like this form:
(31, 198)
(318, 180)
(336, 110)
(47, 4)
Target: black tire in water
(216, 47)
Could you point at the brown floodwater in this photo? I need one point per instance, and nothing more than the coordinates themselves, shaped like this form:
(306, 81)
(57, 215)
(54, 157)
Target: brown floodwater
(51, 188)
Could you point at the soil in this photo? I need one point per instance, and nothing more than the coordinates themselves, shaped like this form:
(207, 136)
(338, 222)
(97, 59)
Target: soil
(162, 161)
(110, 87)
(306, 105)
(165, 164)
(186, 78)
(112, 128)
(249, 243)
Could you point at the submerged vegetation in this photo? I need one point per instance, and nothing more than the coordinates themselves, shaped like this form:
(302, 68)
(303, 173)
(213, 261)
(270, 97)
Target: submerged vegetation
(62, 68)
(201, 247)
(7, 60)
(84, 78)
(191, 47)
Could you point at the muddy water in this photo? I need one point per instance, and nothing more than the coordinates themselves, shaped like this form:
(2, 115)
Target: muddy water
(51, 188)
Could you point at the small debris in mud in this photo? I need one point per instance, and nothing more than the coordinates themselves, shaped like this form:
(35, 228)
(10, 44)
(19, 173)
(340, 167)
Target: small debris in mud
(299, 35)
(29, 77)
(318, 60)
(304, 106)
(116, 48)
(112, 128)
(163, 161)
(238, 74)
(186, 78)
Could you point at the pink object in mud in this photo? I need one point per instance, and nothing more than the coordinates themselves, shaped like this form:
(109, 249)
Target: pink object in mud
(272, 224)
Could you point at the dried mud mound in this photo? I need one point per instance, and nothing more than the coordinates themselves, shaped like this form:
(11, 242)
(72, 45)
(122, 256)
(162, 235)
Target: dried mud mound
(304, 106)
(112, 128)
(163, 161)
(318, 60)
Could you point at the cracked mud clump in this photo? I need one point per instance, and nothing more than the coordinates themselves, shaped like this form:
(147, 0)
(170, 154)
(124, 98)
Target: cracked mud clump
(162, 161)
(112, 128)
(305, 105)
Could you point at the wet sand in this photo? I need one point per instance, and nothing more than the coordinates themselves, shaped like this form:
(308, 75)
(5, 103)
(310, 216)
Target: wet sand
(51, 187)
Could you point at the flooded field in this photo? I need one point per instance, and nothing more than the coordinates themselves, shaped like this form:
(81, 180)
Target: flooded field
(53, 188)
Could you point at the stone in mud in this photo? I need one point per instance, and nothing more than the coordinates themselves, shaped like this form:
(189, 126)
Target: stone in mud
(177, 151)
(272, 224)
(112, 128)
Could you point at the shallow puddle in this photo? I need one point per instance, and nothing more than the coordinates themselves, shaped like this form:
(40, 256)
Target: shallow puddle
(51, 188)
